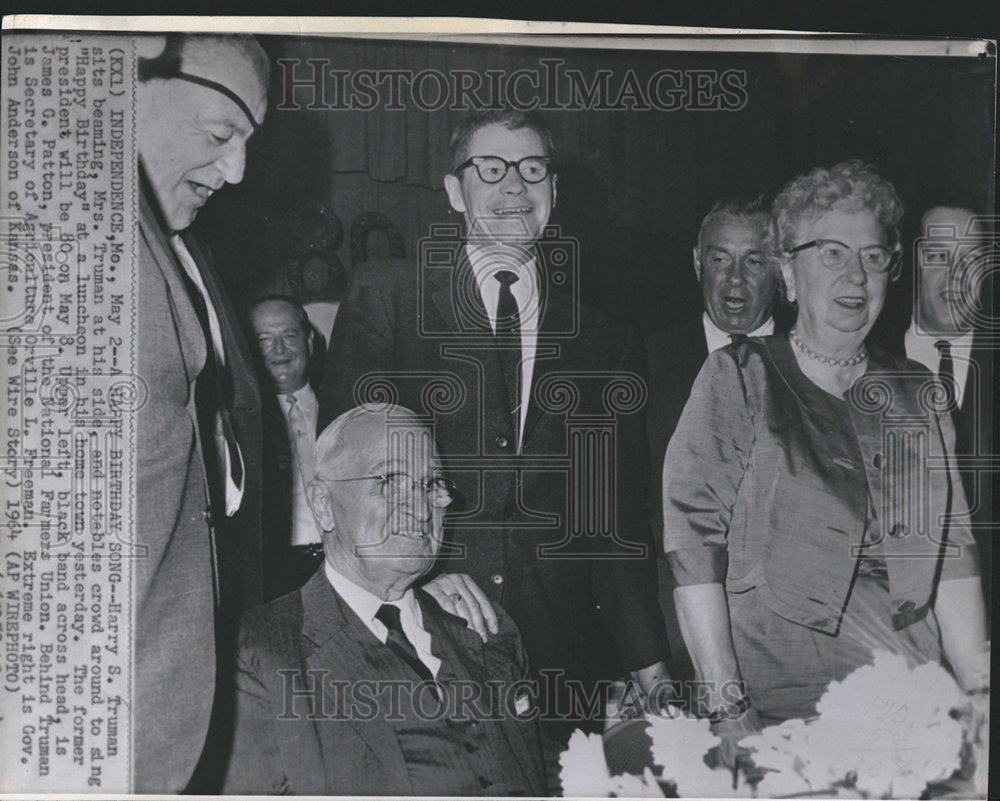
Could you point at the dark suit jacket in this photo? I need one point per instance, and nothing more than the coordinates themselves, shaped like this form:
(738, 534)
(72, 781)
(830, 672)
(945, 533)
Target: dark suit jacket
(973, 439)
(675, 354)
(310, 745)
(399, 334)
(178, 576)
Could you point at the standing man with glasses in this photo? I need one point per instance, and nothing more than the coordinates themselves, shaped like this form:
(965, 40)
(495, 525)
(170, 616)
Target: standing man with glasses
(493, 318)
(739, 287)
(198, 102)
(361, 684)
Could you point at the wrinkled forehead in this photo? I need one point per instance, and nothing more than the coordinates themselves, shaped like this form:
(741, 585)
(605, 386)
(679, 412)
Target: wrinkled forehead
(377, 443)
(275, 314)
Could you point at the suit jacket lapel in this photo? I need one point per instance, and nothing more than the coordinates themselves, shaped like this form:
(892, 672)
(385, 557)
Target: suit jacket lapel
(450, 637)
(554, 349)
(468, 320)
(193, 344)
(333, 636)
(240, 370)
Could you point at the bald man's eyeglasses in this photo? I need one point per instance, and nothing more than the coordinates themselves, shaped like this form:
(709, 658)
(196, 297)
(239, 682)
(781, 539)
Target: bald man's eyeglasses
(399, 487)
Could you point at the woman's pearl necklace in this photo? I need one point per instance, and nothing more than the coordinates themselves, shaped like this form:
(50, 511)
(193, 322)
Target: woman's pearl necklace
(802, 346)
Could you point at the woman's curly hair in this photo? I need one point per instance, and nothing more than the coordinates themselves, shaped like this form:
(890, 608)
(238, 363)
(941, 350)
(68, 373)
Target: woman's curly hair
(848, 186)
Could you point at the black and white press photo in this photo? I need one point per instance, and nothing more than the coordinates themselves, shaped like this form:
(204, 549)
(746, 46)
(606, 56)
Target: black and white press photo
(442, 409)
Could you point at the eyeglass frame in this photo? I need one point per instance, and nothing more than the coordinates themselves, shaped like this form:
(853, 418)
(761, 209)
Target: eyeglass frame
(890, 267)
(426, 485)
(472, 162)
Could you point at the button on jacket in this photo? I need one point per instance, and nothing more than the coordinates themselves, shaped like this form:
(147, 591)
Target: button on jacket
(769, 480)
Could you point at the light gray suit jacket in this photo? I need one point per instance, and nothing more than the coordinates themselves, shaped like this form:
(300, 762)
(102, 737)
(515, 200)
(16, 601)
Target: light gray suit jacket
(177, 587)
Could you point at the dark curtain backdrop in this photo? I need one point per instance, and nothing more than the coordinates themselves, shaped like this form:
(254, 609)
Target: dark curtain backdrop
(633, 185)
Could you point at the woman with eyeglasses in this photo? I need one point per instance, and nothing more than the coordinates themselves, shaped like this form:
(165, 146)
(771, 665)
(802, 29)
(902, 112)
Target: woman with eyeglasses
(812, 510)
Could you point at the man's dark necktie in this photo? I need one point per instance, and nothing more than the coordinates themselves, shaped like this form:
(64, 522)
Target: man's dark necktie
(946, 370)
(212, 409)
(508, 335)
(737, 337)
(397, 640)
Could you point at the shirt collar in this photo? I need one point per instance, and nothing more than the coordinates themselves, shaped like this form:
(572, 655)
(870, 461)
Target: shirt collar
(365, 604)
(716, 338)
(484, 263)
(304, 395)
(958, 340)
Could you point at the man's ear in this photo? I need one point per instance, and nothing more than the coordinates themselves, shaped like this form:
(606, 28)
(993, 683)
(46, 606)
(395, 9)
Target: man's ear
(309, 341)
(453, 186)
(696, 258)
(321, 504)
(554, 178)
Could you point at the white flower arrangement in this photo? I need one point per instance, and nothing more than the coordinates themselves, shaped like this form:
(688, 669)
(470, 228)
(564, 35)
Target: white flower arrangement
(885, 731)
(584, 773)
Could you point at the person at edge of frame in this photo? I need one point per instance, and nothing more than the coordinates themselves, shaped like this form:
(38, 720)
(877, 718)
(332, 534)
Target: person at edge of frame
(199, 99)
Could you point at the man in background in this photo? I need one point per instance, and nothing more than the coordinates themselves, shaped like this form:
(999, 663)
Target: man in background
(738, 288)
(285, 341)
(953, 256)
(198, 101)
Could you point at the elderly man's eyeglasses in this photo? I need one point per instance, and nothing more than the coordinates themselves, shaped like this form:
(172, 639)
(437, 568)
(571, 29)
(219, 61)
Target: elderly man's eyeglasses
(493, 169)
(835, 255)
(397, 487)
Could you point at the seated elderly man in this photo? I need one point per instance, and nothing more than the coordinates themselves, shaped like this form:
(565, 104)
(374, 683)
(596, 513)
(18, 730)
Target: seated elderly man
(358, 684)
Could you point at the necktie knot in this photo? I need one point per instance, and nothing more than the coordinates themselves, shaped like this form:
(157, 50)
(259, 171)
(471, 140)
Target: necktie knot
(946, 371)
(388, 616)
(400, 644)
(737, 337)
(506, 277)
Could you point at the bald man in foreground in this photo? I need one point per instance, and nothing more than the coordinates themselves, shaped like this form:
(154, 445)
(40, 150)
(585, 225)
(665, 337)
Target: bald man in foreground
(359, 684)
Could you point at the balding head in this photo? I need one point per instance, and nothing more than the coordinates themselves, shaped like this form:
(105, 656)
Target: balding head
(379, 497)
